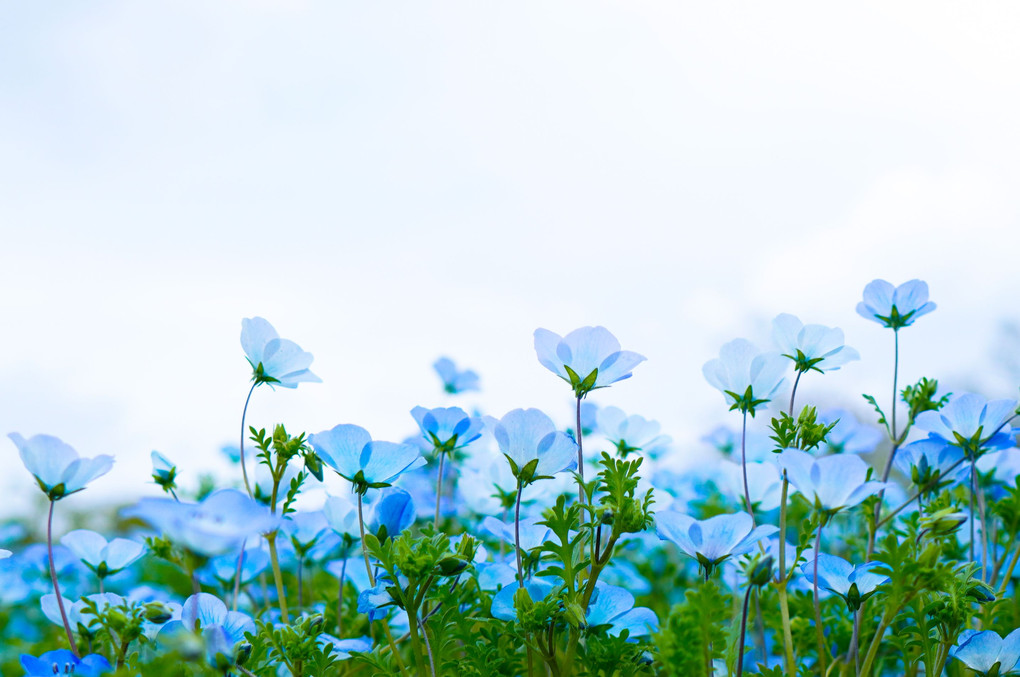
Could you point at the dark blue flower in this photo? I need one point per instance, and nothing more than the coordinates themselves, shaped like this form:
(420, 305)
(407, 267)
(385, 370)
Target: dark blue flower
(63, 662)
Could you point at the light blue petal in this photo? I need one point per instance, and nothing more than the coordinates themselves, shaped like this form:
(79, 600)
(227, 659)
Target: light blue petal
(785, 330)
(637, 622)
(674, 526)
(618, 367)
(122, 552)
(878, 296)
(545, 348)
(609, 602)
(340, 447)
(255, 334)
(910, 296)
(87, 545)
(980, 651)
(588, 348)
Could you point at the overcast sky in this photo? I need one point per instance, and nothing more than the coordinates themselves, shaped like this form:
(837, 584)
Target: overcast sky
(390, 182)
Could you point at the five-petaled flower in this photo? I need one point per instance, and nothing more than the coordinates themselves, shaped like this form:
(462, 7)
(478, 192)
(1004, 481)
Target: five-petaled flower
(586, 358)
(747, 377)
(854, 584)
(57, 467)
(811, 346)
(536, 450)
(350, 451)
(895, 307)
(714, 540)
(274, 360)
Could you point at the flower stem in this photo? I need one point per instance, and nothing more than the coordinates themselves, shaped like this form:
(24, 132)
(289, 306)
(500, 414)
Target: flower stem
(278, 576)
(56, 585)
(237, 574)
(973, 492)
(517, 536)
(743, 633)
(439, 487)
(793, 392)
(1009, 573)
(361, 525)
(580, 456)
(340, 600)
(784, 602)
(819, 632)
(743, 464)
(244, 414)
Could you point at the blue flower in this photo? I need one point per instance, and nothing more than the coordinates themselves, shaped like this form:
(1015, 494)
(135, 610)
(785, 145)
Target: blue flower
(164, 472)
(533, 534)
(454, 380)
(342, 515)
(63, 662)
(104, 558)
(503, 601)
(764, 483)
(349, 450)
(614, 607)
(631, 433)
(447, 428)
(928, 461)
(222, 630)
(987, 653)
(392, 512)
(57, 467)
(274, 360)
(849, 435)
(586, 358)
(342, 648)
(969, 421)
(748, 378)
(812, 346)
(895, 307)
(304, 529)
(853, 584)
(223, 568)
(535, 449)
(830, 483)
(714, 540)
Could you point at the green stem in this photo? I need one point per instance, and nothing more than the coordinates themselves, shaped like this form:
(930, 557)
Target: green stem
(823, 653)
(439, 488)
(274, 558)
(743, 633)
(244, 467)
(869, 659)
(784, 602)
(364, 551)
(580, 457)
(743, 465)
(1009, 572)
(56, 585)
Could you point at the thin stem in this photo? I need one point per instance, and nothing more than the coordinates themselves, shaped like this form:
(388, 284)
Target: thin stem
(784, 602)
(1009, 572)
(517, 536)
(869, 659)
(300, 583)
(439, 487)
(281, 595)
(759, 629)
(340, 600)
(743, 464)
(580, 456)
(56, 585)
(361, 524)
(819, 632)
(428, 646)
(895, 444)
(102, 587)
(237, 574)
(895, 378)
(855, 649)
(244, 414)
(793, 392)
(743, 633)
(973, 512)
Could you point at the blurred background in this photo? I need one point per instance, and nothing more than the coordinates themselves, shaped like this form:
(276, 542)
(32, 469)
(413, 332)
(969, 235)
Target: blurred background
(391, 182)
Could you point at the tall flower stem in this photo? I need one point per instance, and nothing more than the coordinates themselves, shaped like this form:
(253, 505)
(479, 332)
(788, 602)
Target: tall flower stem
(973, 492)
(281, 594)
(893, 438)
(784, 602)
(580, 456)
(743, 633)
(793, 392)
(340, 600)
(237, 574)
(819, 632)
(56, 585)
(520, 561)
(439, 487)
(244, 467)
(743, 464)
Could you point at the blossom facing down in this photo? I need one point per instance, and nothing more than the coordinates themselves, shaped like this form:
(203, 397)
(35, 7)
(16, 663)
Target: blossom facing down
(535, 448)
(56, 466)
(349, 450)
(104, 558)
(895, 307)
(853, 584)
(985, 651)
(631, 433)
(811, 346)
(972, 423)
(747, 377)
(454, 380)
(830, 483)
(63, 662)
(274, 360)
(714, 540)
(447, 428)
(586, 358)
(614, 606)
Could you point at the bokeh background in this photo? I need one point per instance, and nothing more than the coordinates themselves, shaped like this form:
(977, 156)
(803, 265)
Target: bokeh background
(391, 182)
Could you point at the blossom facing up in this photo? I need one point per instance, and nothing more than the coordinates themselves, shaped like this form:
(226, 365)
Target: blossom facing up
(895, 307)
(854, 584)
(447, 428)
(222, 631)
(63, 662)
(748, 378)
(104, 558)
(349, 450)
(164, 472)
(56, 466)
(274, 360)
(972, 423)
(535, 448)
(811, 346)
(586, 358)
(714, 540)
(631, 433)
(830, 483)
(614, 606)
(987, 653)
(929, 461)
(454, 380)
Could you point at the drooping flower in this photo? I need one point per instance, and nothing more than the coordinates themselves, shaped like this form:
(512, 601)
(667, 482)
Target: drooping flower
(455, 381)
(811, 346)
(714, 540)
(349, 450)
(895, 307)
(614, 606)
(830, 483)
(533, 445)
(447, 428)
(631, 433)
(854, 584)
(849, 436)
(748, 378)
(987, 653)
(972, 423)
(63, 662)
(57, 468)
(586, 358)
(273, 360)
(104, 558)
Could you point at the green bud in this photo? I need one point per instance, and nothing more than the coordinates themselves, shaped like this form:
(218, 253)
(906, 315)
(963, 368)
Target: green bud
(157, 612)
(451, 566)
(761, 574)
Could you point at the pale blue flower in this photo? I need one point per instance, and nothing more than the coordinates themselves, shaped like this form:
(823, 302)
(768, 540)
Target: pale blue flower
(274, 360)
(57, 467)
(987, 653)
(895, 307)
(455, 381)
(503, 601)
(342, 648)
(614, 606)
(830, 483)
(526, 437)
(971, 422)
(220, 629)
(714, 540)
(929, 460)
(63, 662)
(631, 433)
(392, 512)
(104, 558)
(447, 428)
(349, 450)
(586, 358)
(533, 534)
(764, 483)
(747, 377)
(342, 515)
(304, 529)
(223, 568)
(854, 584)
(163, 470)
(849, 435)
(811, 346)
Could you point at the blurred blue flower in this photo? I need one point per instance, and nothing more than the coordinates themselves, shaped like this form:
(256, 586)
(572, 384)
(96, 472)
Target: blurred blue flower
(274, 360)
(342, 648)
(503, 601)
(714, 540)
(747, 377)
(342, 516)
(304, 529)
(631, 433)
(455, 381)
(447, 428)
(532, 534)
(614, 606)
(854, 584)
(392, 512)
(220, 629)
(63, 662)
(987, 653)
(726, 441)
(849, 435)
(535, 448)
(929, 461)
(830, 483)
(811, 346)
(104, 558)
(57, 467)
(969, 421)
(895, 307)
(164, 472)
(222, 569)
(764, 483)
(586, 358)
(349, 450)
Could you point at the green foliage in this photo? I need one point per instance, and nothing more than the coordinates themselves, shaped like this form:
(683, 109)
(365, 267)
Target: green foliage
(693, 634)
(804, 432)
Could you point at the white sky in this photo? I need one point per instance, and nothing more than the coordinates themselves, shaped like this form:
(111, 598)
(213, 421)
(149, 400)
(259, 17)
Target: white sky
(389, 182)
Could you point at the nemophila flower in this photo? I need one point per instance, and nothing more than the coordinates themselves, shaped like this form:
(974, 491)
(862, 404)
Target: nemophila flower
(393, 511)
(503, 601)
(972, 423)
(849, 436)
(764, 483)
(711, 542)
(164, 472)
(533, 534)
(854, 584)
(811, 346)
(929, 461)
(274, 360)
(84, 623)
(747, 377)
(223, 568)
(63, 662)
(830, 483)
(895, 307)
(104, 558)
(586, 358)
(614, 606)
(57, 467)
(535, 448)
(219, 523)
(341, 515)
(304, 529)
(349, 450)
(726, 441)
(987, 653)
(342, 648)
(447, 428)
(455, 381)
(222, 631)
(631, 433)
